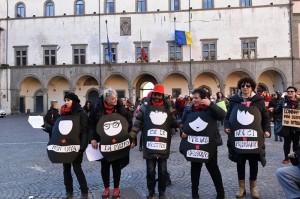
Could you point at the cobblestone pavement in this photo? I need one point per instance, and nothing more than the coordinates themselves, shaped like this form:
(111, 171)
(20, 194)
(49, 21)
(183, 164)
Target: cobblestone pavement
(26, 172)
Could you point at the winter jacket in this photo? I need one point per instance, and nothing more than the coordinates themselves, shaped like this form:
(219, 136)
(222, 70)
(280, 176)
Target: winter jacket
(49, 119)
(258, 102)
(139, 124)
(98, 111)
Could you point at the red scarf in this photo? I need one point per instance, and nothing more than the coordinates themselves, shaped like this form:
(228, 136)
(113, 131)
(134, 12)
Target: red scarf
(161, 103)
(293, 102)
(109, 109)
(64, 110)
(200, 107)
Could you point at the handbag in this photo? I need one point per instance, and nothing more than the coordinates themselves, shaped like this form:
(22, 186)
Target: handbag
(281, 130)
(219, 140)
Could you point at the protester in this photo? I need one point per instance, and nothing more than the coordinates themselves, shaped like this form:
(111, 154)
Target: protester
(290, 101)
(247, 124)
(179, 106)
(70, 130)
(109, 124)
(88, 107)
(208, 113)
(50, 117)
(221, 98)
(155, 120)
(289, 177)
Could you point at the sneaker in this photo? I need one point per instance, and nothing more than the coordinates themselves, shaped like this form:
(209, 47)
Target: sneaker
(69, 195)
(151, 194)
(105, 194)
(276, 140)
(285, 161)
(116, 193)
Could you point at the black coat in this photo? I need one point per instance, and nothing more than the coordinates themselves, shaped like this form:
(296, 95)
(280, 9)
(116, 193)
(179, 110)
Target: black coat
(49, 120)
(265, 123)
(98, 111)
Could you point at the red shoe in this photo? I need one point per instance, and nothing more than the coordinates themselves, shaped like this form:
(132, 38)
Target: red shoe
(116, 193)
(105, 194)
(285, 161)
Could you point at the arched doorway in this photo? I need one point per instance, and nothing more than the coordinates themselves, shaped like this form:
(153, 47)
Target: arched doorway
(93, 96)
(39, 101)
(141, 89)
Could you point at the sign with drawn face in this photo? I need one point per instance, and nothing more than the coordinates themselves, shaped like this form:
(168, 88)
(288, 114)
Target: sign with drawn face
(156, 131)
(64, 145)
(246, 132)
(200, 144)
(114, 137)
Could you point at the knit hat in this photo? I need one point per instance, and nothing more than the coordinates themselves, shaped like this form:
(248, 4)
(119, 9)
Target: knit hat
(72, 97)
(159, 88)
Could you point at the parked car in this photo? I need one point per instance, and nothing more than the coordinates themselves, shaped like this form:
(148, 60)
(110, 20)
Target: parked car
(2, 113)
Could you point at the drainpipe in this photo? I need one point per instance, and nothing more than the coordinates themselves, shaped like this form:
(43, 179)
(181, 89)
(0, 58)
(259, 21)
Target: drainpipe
(291, 40)
(6, 53)
(99, 29)
(190, 47)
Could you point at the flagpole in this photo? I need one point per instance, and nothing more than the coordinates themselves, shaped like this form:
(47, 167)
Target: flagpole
(175, 38)
(108, 44)
(190, 46)
(141, 38)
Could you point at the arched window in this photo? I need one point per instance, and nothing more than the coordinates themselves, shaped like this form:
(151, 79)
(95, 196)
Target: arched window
(79, 7)
(20, 12)
(49, 9)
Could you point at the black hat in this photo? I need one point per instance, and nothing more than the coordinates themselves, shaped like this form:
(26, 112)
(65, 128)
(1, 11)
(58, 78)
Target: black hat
(72, 97)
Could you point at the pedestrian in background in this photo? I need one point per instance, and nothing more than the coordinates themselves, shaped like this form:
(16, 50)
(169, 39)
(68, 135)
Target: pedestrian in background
(277, 118)
(50, 117)
(247, 113)
(88, 107)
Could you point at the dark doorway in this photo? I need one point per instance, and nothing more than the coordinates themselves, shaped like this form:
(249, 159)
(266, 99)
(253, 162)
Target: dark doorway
(93, 97)
(39, 104)
(22, 105)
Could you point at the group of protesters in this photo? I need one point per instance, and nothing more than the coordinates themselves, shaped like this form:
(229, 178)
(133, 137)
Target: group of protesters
(108, 127)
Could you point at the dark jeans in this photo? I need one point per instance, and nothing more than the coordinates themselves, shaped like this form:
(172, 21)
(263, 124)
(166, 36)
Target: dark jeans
(253, 164)
(105, 172)
(68, 180)
(214, 171)
(162, 170)
(293, 136)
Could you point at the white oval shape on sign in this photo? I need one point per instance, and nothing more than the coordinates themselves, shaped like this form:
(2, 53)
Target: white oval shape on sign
(65, 127)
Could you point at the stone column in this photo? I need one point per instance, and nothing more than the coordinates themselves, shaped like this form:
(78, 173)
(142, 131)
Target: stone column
(191, 88)
(45, 100)
(130, 89)
(15, 101)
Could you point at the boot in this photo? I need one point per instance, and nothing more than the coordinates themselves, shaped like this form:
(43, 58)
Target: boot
(242, 190)
(253, 189)
(151, 194)
(195, 194)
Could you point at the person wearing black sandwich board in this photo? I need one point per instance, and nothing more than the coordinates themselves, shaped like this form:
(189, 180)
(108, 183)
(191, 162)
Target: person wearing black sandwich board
(247, 124)
(68, 142)
(155, 120)
(109, 124)
(198, 144)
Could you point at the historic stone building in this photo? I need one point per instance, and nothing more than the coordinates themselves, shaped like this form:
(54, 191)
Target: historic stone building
(51, 47)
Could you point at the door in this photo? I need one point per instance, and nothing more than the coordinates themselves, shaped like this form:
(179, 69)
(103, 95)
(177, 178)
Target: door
(39, 104)
(93, 97)
(22, 105)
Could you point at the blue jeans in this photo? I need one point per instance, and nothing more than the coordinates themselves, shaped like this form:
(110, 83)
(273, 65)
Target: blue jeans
(151, 170)
(289, 179)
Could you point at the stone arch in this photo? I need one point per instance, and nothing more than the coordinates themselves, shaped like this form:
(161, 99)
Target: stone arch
(176, 83)
(213, 73)
(113, 74)
(82, 75)
(56, 75)
(273, 79)
(232, 79)
(176, 72)
(140, 80)
(30, 76)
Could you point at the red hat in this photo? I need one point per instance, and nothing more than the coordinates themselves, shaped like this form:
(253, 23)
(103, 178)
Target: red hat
(159, 88)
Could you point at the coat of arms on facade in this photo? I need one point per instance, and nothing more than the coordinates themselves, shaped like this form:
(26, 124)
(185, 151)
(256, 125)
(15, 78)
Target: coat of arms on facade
(125, 26)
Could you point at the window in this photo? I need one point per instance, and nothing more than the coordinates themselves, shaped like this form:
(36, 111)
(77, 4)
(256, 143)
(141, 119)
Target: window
(209, 49)
(21, 55)
(249, 49)
(138, 53)
(208, 4)
(175, 52)
(113, 48)
(20, 13)
(246, 3)
(79, 54)
(49, 9)
(141, 5)
(120, 93)
(49, 55)
(174, 5)
(110, 6)
(79, 7)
